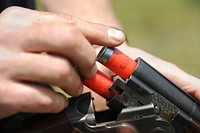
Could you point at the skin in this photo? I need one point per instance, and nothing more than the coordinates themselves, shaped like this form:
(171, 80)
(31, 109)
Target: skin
(45, 47)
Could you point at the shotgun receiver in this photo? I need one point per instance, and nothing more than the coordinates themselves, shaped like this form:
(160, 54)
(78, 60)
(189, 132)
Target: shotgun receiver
(140, 100)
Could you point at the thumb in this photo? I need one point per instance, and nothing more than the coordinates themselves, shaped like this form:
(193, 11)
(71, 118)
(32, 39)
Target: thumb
(100, 34)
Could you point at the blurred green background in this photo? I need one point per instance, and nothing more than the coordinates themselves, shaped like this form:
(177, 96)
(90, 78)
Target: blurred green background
(169, 29)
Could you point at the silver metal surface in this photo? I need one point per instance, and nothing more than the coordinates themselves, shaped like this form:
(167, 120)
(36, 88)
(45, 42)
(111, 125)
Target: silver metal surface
(105, 54)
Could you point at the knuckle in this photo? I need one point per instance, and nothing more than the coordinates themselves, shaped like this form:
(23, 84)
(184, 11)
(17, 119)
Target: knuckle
(72, 38)
(62, 70)
(68, 37)
(72, 20)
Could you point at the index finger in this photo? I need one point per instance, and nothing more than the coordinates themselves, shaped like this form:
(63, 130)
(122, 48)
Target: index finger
(93, 32)
(101, 34)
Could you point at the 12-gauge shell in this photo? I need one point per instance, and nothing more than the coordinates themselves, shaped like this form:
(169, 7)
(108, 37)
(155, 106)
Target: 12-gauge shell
(100, 84)
(117, 62)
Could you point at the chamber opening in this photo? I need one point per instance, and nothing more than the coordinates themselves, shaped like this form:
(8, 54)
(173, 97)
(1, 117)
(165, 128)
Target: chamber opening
(105, 116)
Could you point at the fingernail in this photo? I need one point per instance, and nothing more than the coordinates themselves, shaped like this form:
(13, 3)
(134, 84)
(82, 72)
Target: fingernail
(116, 35)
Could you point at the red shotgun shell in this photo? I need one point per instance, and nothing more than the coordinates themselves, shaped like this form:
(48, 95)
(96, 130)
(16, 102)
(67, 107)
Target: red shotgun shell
(117, 61)
(100, 84)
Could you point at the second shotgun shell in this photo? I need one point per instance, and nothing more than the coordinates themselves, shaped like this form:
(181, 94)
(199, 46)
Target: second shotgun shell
(100, 84)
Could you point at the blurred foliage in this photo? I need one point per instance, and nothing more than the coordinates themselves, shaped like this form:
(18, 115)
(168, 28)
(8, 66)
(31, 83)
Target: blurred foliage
(169, 29)
(39, 5)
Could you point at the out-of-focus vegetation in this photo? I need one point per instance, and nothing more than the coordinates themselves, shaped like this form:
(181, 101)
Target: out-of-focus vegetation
(169, 29)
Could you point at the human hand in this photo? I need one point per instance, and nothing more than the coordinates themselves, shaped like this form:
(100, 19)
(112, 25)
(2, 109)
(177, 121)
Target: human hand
(44, 47)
